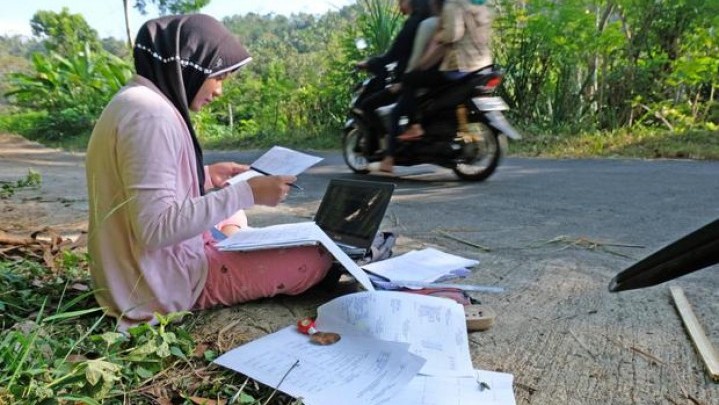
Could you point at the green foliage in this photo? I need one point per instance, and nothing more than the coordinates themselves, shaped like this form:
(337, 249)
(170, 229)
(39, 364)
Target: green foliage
(63, 32)
(626, 142)
(572, 66)
(73, 89)
(379, 21)
(581, 64)
(288, 94)
(14, 53)
(56, 346)
(172, 6)
(65, 351)
(33, 179)
(18, 45)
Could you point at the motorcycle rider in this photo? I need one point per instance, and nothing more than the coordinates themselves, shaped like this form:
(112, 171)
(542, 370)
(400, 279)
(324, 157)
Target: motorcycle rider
(399, 53)
(425, 56)
(465, 31)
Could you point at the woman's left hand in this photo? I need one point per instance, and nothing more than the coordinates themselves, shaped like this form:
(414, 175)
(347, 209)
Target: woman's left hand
(223, 171)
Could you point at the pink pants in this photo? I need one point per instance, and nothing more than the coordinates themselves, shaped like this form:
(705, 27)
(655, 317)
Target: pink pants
(235, 277)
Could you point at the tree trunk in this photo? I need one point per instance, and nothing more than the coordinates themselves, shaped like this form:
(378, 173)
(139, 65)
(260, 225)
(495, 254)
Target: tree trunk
(127, 23)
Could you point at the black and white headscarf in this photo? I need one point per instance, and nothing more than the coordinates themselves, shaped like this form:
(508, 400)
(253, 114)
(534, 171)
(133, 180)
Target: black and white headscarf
(178, 53)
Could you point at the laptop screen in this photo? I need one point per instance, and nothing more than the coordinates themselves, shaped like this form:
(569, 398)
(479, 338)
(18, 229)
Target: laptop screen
(351, 211)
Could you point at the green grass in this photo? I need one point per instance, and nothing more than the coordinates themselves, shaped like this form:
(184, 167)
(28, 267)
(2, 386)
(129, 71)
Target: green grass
(57, 346)
(327, 140)
(640, 143)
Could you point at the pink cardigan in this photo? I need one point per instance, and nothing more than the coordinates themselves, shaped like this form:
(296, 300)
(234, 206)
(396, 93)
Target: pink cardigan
(147, 217)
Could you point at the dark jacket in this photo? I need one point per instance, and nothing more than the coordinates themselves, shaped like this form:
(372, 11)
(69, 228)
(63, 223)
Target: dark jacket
(400, 50)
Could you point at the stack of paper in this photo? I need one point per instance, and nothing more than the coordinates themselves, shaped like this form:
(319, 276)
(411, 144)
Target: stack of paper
(396, 348)
(418, 267)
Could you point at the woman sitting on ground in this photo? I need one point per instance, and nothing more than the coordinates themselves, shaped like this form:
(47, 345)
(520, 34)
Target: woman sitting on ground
(150, 246)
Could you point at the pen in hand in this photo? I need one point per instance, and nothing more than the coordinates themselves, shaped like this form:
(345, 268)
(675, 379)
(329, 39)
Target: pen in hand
(293, 185)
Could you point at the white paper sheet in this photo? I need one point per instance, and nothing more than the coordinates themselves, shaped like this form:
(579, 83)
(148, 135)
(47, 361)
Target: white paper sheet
(281, 160)
(353, 371)
(435, 328)
(426, 265)
(426, 390)
(244, 176)
(298, 234)
(268, 237)
(278, 161)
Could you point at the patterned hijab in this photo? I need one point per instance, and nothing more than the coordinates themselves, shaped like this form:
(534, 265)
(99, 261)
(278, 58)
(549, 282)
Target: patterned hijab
(178, 53)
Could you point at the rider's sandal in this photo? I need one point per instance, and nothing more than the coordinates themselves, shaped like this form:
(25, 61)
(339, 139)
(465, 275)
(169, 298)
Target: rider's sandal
(386, 166)
(412, 134)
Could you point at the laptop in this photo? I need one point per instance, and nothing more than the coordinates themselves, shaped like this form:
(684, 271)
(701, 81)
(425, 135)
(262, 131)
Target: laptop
(351, 212)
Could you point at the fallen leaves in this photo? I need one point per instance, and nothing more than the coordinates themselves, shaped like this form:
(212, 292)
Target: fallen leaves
(44, 246)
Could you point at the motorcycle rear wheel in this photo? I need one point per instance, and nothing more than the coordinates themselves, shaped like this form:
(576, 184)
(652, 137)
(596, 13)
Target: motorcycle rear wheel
(352, 150)
(482, 151)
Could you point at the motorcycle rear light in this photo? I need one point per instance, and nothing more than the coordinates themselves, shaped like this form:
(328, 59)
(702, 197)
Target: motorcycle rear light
(494, 82)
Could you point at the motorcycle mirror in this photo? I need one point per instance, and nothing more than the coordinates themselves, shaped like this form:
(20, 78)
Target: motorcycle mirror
(361, 44)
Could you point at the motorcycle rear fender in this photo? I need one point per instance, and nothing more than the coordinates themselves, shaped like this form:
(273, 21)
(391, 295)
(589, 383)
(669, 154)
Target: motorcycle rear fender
(349, 124)
(496, 120)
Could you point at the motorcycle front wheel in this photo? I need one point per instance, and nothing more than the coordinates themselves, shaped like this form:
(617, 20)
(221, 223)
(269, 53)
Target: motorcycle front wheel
(352, 150)
(481, 152)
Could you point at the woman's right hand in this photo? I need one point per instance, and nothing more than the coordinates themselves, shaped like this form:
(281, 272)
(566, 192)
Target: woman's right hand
(270, 190)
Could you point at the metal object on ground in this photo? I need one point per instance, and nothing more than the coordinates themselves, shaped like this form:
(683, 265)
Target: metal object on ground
(693, 252)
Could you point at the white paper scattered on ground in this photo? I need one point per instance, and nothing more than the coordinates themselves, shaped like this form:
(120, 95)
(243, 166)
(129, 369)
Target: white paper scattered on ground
(426, 390)
(434, 327)
(426, 265)
(278, 161)
(287, 235)
(354, 371)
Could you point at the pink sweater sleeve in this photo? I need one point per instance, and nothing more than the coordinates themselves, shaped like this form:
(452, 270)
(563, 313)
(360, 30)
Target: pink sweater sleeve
(159, 173)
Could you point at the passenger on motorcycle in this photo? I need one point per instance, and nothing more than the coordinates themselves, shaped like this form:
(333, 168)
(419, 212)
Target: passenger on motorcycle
(465, 31)
(399, 53)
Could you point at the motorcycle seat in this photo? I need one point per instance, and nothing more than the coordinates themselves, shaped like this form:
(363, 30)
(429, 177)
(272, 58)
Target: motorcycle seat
(451, 94)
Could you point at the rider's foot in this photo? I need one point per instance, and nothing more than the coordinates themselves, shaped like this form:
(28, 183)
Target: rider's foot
(387, 164)
(413, 133)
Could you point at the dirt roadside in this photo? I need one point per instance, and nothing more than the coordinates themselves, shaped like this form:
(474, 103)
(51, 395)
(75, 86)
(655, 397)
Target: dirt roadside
(61, 200)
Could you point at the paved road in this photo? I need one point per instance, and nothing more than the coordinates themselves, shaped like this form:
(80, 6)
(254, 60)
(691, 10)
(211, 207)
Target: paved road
(648, 203)
(557, 231)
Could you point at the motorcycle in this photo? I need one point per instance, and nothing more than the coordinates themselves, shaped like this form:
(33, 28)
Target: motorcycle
(465, 129)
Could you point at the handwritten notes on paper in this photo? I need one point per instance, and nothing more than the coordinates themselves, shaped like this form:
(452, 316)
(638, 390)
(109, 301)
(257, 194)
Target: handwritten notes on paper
(426, 265)
(278, 161)
(396, 348)
(435, 328)
(357, 370)
(486, 388)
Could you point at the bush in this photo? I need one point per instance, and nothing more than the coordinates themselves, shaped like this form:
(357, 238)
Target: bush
(72, 89)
